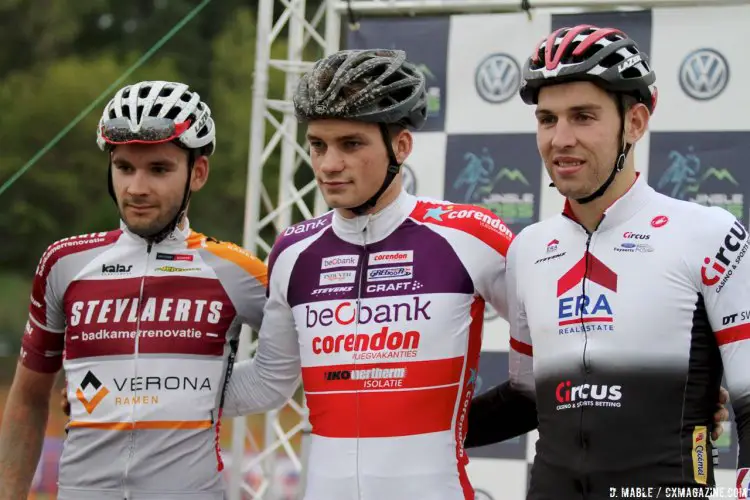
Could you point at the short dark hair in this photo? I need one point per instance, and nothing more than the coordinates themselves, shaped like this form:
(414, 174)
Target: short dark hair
(624, 102)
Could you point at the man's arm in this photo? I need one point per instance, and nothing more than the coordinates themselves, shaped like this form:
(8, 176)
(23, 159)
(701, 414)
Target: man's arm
(509, 409)
(271, 377)
(22, 433)
(499, 414)
(726, 295)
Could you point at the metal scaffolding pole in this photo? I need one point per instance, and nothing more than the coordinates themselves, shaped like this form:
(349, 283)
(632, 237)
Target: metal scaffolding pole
(304, 41)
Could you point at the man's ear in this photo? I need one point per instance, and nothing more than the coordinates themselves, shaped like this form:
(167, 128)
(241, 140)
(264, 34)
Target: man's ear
(200, 173)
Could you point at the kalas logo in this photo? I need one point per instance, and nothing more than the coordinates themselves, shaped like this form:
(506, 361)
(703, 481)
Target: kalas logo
(584, 308)
(718, 267)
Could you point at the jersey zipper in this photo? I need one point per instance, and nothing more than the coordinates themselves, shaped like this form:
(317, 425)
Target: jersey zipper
(586, 364)
(131, 448)
(360, 284)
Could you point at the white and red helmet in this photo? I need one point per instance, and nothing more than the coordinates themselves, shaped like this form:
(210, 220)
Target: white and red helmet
(606, 57)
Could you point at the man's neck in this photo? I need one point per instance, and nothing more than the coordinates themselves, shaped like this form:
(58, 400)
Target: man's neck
(590, 214)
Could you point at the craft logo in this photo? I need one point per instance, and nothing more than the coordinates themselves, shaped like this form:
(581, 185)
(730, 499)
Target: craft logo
(687, 178)
(505, 191)
(579, 313)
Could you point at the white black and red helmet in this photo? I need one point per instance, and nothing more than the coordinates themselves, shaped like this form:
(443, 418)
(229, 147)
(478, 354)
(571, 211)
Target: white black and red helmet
(606, 57)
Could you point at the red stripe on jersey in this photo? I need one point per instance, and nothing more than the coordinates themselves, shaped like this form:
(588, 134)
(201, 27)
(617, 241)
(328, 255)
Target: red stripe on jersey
(477, 221)
(595, 270)
(470, 379)
(521, 347)
(733, 334)
(55, 252)
(410, 375)
(176, 315)
(41, 350)
(380, 414)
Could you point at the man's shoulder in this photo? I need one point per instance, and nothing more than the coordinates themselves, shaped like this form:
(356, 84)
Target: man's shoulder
(230, 253)
(75, 244)
(300, 231)
(474, 220)
(689, 217)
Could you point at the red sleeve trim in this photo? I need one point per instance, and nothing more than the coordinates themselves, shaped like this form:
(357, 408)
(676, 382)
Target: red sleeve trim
(521, 347)
(733, 334)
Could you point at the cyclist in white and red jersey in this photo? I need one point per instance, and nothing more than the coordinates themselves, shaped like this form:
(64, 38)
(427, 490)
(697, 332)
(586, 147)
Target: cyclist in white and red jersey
(627, 308)
(378, 303)
(144, 320)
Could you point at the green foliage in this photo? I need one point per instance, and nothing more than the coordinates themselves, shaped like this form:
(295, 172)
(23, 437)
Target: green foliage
(61, 55)
(65, 193)
(14, 306)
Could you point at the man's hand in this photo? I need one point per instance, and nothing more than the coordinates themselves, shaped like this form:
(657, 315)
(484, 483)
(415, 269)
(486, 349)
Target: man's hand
(721, 415)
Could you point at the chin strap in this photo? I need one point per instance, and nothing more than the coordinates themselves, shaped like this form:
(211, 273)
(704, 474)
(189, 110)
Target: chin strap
(393, 169)
(164, 232)
(619, 163)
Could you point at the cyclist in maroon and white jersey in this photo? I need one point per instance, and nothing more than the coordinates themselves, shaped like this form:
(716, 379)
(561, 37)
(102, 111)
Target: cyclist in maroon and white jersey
(143, 319)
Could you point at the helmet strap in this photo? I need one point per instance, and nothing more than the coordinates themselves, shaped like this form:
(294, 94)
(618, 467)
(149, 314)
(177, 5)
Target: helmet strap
(619, 162)
(393, 169)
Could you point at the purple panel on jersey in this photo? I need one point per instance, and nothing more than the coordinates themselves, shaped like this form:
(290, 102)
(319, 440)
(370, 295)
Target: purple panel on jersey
(329, 270)
(326, 270)
(298, 232)
(439, 270)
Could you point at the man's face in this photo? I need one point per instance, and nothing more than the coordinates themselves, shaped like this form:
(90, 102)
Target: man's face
(349, 160)
(149, 183)
(578, 127)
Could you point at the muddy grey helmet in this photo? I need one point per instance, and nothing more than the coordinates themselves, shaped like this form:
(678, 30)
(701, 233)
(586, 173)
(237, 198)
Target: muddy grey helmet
(377, 86)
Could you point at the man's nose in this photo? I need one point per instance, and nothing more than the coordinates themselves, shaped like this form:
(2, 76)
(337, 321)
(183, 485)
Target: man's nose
(138, 183)
(332, 161)
(564, 136)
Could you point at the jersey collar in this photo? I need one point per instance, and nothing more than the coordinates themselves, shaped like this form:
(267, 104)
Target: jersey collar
(378, 225)
(623, 208)
(176, 237)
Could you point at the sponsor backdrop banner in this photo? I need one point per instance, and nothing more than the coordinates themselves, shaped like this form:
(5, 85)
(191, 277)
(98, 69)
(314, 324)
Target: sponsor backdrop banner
(479, 144)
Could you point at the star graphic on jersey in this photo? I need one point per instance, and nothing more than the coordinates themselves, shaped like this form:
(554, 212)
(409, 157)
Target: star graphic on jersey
(436, 213)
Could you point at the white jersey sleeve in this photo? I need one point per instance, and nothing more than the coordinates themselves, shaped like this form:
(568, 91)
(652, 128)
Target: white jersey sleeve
(723, 278)
(520, 360)
(271, 377)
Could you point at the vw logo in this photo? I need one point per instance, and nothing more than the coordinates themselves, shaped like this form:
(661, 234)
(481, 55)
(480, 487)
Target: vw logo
(408, 178)
(497, 78)
(704, 74)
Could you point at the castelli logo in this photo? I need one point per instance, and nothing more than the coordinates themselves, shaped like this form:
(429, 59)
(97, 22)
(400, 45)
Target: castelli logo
(659, 221)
